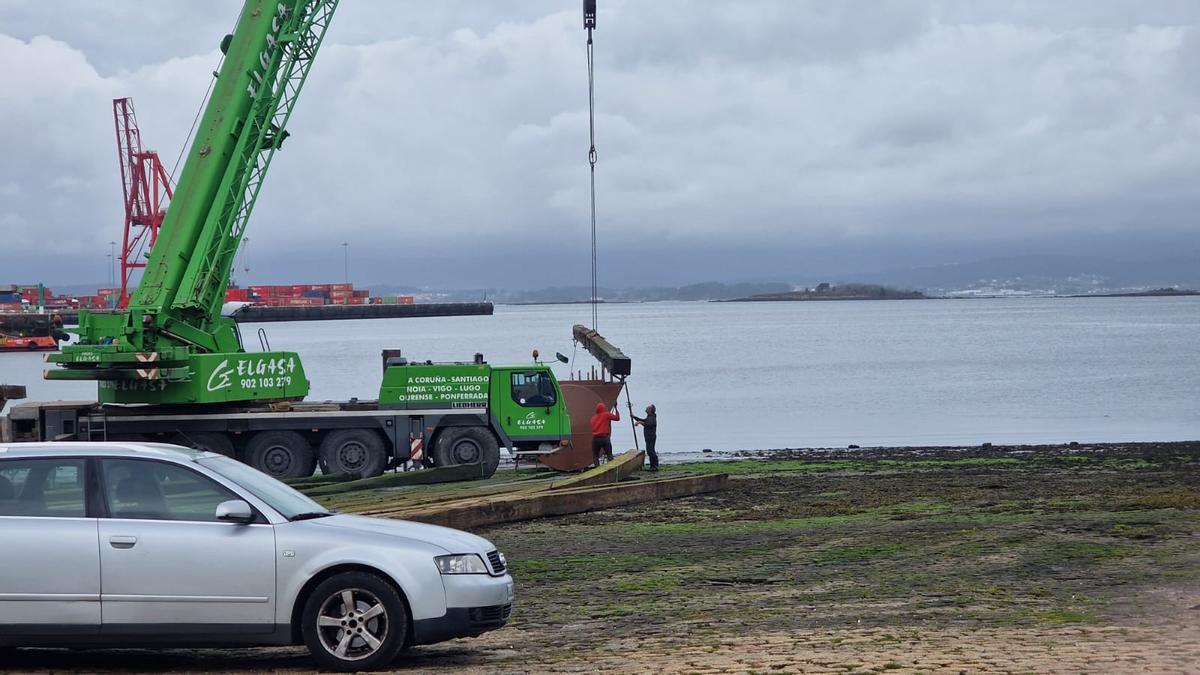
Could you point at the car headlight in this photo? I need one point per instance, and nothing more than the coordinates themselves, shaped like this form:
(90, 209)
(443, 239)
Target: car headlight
(463, 563)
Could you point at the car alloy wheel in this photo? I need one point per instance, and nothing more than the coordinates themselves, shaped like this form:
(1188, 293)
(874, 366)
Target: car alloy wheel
(352, 624)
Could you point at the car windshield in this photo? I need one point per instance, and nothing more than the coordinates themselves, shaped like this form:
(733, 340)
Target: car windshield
(288, 502)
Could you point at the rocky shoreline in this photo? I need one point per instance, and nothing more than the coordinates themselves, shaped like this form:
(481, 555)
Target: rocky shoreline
(985, 451)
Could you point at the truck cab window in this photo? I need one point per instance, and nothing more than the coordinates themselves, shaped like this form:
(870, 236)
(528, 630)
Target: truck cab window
(533, 390)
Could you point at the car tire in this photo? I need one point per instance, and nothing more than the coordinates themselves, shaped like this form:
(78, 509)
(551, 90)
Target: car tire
(209, 441)
(467, 445)
(361, 452)
(368, 637)
(281, 454)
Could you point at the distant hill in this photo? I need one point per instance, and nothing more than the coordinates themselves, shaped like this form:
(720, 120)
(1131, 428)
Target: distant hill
(568, 294)
(839, 292)
(1045, 274)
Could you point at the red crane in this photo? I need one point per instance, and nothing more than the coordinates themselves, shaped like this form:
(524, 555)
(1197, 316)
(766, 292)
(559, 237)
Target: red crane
(147, 191)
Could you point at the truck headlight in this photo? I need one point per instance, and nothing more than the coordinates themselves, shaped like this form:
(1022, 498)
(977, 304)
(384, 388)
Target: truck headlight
(463, 563)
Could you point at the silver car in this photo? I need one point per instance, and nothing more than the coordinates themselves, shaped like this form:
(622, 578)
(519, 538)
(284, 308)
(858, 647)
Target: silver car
(136, 544)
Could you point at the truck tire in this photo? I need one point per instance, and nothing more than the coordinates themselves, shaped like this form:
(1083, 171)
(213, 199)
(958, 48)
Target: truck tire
(353, 451)
(366, 636)
(281, 454)
(467, 445)
(209, 441)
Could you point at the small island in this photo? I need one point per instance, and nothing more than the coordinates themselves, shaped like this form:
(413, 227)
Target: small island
(1153, 293)
(826, 291)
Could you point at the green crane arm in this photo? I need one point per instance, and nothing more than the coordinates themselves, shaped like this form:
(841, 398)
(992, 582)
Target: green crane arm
(174, 318)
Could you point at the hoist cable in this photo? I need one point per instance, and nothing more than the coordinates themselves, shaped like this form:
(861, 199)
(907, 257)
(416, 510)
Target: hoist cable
(592, 159)
(199, 111)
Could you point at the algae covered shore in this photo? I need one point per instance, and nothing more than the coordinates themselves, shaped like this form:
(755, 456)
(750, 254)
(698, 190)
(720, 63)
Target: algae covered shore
(1072, 559)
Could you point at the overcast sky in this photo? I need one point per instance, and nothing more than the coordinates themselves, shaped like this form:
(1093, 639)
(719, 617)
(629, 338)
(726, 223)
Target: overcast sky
(739, 140)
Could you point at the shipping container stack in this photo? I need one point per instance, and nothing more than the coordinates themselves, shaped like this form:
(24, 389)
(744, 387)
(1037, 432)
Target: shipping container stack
(23, 297)
(303, 295)
(10, 299)
(26, 297)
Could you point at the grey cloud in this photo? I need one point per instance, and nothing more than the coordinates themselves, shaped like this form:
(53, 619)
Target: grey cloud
(435, 130)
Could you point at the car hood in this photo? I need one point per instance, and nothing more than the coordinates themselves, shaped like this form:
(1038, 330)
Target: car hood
(453, 541)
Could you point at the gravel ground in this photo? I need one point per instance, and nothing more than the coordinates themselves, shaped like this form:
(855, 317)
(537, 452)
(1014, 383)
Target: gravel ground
(997, 560)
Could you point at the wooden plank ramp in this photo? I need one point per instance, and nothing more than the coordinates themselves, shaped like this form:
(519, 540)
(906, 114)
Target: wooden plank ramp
(505, 498)
(512, 508)
(445, 474)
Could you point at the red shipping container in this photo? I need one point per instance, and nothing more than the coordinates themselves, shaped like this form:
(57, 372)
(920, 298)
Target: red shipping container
(341, 287)
(362, 294)
(298, 289)
(305, 302)
(404, 300)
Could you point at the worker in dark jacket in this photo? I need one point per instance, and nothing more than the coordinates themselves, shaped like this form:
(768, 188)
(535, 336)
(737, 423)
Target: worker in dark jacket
(649, 425)
(602, 432)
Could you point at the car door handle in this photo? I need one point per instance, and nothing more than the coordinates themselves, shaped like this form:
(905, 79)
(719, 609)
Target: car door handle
(122, 542)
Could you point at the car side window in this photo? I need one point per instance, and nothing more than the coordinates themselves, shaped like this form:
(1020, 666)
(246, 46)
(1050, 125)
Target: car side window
(135, 488)
(43, 487)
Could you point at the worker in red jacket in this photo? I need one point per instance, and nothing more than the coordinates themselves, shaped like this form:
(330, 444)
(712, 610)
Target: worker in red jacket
(602, 432)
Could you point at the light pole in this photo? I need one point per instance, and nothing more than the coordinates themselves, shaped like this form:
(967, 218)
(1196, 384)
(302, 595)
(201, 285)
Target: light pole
(346, 262)
(112, 264)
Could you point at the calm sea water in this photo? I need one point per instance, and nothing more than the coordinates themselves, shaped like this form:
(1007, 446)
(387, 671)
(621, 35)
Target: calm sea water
(731, 376)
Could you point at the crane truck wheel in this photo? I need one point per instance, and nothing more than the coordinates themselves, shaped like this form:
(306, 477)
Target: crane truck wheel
(467, 445)
(281, 454)
(353, 451)
(209, 441)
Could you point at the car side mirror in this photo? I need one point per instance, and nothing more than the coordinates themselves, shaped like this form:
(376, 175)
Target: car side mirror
(234, 511)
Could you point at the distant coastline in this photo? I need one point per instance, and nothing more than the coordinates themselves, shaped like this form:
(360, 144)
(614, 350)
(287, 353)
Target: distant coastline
(1156, 293)
(827, 292)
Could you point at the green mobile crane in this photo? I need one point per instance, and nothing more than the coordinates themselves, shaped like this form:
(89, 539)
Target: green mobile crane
(173, 353)
(172, 345)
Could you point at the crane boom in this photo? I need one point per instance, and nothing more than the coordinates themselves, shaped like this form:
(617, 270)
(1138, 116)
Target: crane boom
(172, 345)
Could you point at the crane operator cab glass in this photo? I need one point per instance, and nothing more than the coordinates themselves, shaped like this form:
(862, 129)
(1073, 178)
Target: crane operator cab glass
(533, 389)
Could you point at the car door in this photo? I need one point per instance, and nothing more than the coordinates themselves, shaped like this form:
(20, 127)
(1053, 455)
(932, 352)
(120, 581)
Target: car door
(168, 566)
(49, 559)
